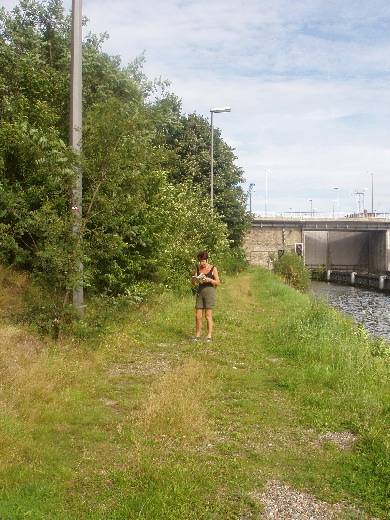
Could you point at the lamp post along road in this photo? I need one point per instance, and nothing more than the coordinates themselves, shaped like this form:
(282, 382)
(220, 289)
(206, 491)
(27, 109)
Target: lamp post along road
(311, 207)
(372, 191)
(75, 135)
(338, 201)
(212, 112)
(266, 192)
(251, 186)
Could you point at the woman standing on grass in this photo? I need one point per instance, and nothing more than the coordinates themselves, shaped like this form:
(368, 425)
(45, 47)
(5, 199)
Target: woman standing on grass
(207, 277)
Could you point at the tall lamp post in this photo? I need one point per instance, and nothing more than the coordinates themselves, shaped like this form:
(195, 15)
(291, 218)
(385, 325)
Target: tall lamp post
(338, 201)
(266, 191)
(75, 134)
(372, 191)
(212, 112)
(333, 201)
(311, 207)
(251, 186)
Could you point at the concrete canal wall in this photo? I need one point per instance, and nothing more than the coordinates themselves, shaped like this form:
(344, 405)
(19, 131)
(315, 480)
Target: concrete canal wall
(262, 243)
(371, 281)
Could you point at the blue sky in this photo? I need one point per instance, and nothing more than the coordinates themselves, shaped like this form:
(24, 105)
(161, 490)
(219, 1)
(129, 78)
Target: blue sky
(308, 83)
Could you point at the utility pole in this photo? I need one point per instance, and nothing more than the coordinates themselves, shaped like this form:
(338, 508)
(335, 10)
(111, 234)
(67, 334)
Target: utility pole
(266, 191)
(75, 135)
(372, 192)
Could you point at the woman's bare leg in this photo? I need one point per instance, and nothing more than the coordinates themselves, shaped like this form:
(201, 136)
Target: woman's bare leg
(198, 317)
(209, 319)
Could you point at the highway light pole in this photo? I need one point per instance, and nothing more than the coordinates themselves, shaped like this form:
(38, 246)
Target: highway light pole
(212, 112)
(266, 192)
(338, 201)
(311, 207)
(75, 135)
(372, 191)
(251, 186)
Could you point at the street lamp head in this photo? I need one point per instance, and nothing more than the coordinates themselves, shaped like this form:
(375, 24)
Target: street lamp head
(219, 110)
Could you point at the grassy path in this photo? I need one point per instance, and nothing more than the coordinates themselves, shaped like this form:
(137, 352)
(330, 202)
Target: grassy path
(149, 425)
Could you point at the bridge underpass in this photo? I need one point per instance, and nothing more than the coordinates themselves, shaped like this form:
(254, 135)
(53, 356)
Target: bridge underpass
(346, 244)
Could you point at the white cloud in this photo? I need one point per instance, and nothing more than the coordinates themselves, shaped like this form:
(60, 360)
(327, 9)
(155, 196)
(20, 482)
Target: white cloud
(307, 80)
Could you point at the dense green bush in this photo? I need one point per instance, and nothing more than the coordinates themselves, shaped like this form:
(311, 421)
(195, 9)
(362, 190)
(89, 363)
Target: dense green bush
(145, 168)
(291, 268)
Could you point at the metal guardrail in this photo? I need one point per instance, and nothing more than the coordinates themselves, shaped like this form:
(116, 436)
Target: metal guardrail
(317, 215)
(372, 281)
(325, 224)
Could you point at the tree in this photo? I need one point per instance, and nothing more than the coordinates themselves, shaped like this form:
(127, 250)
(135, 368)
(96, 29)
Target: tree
(33, 60)
(190, 141)
(139, 225)
(145, 165)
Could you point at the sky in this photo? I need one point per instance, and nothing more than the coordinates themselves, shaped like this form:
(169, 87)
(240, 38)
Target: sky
(308, 83)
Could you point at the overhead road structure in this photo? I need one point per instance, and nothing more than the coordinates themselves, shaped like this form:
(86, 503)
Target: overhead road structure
(357, 244)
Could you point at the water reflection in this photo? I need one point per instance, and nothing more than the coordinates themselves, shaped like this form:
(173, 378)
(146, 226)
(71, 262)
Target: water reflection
(370, 308)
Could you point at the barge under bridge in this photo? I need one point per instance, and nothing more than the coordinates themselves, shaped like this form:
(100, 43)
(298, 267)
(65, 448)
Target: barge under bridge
(345, 244)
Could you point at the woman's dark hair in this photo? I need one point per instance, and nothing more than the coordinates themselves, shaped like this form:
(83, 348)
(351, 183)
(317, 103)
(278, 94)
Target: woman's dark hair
(203, 255)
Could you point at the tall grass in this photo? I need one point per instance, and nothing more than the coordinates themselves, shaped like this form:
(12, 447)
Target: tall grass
(12, 287)
(332, 354)
(340, 381)
(176, 409)
(137, 422)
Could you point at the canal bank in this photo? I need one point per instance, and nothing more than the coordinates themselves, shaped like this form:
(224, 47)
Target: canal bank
(338, 367)
(380, 282)
(369, 307)
(288, 399)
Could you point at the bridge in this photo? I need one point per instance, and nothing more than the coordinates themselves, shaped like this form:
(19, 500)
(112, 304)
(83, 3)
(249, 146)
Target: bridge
(342, 244)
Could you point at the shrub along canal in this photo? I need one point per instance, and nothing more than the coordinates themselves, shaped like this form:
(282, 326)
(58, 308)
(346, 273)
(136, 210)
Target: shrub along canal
(368, 307)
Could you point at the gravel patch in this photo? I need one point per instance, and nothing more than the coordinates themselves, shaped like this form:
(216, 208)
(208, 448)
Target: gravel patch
(284, 503)
(156, 363)
(341, 440)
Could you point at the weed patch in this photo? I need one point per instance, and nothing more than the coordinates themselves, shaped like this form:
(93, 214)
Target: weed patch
(138, 422)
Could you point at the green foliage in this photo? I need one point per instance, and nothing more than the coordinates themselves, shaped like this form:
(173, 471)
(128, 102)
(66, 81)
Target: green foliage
(319, 274)
(34, 64)
(190, 141)
(339, 378)
(35, 232)
(380, 347)
(141, 423)
(138, 226)
(145, 169)
(233, 261)
(291, 268)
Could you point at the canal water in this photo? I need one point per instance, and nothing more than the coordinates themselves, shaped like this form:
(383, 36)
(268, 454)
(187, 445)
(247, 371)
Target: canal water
(370, 308)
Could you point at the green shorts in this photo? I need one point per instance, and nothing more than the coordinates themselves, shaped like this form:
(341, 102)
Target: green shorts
(205, 299)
